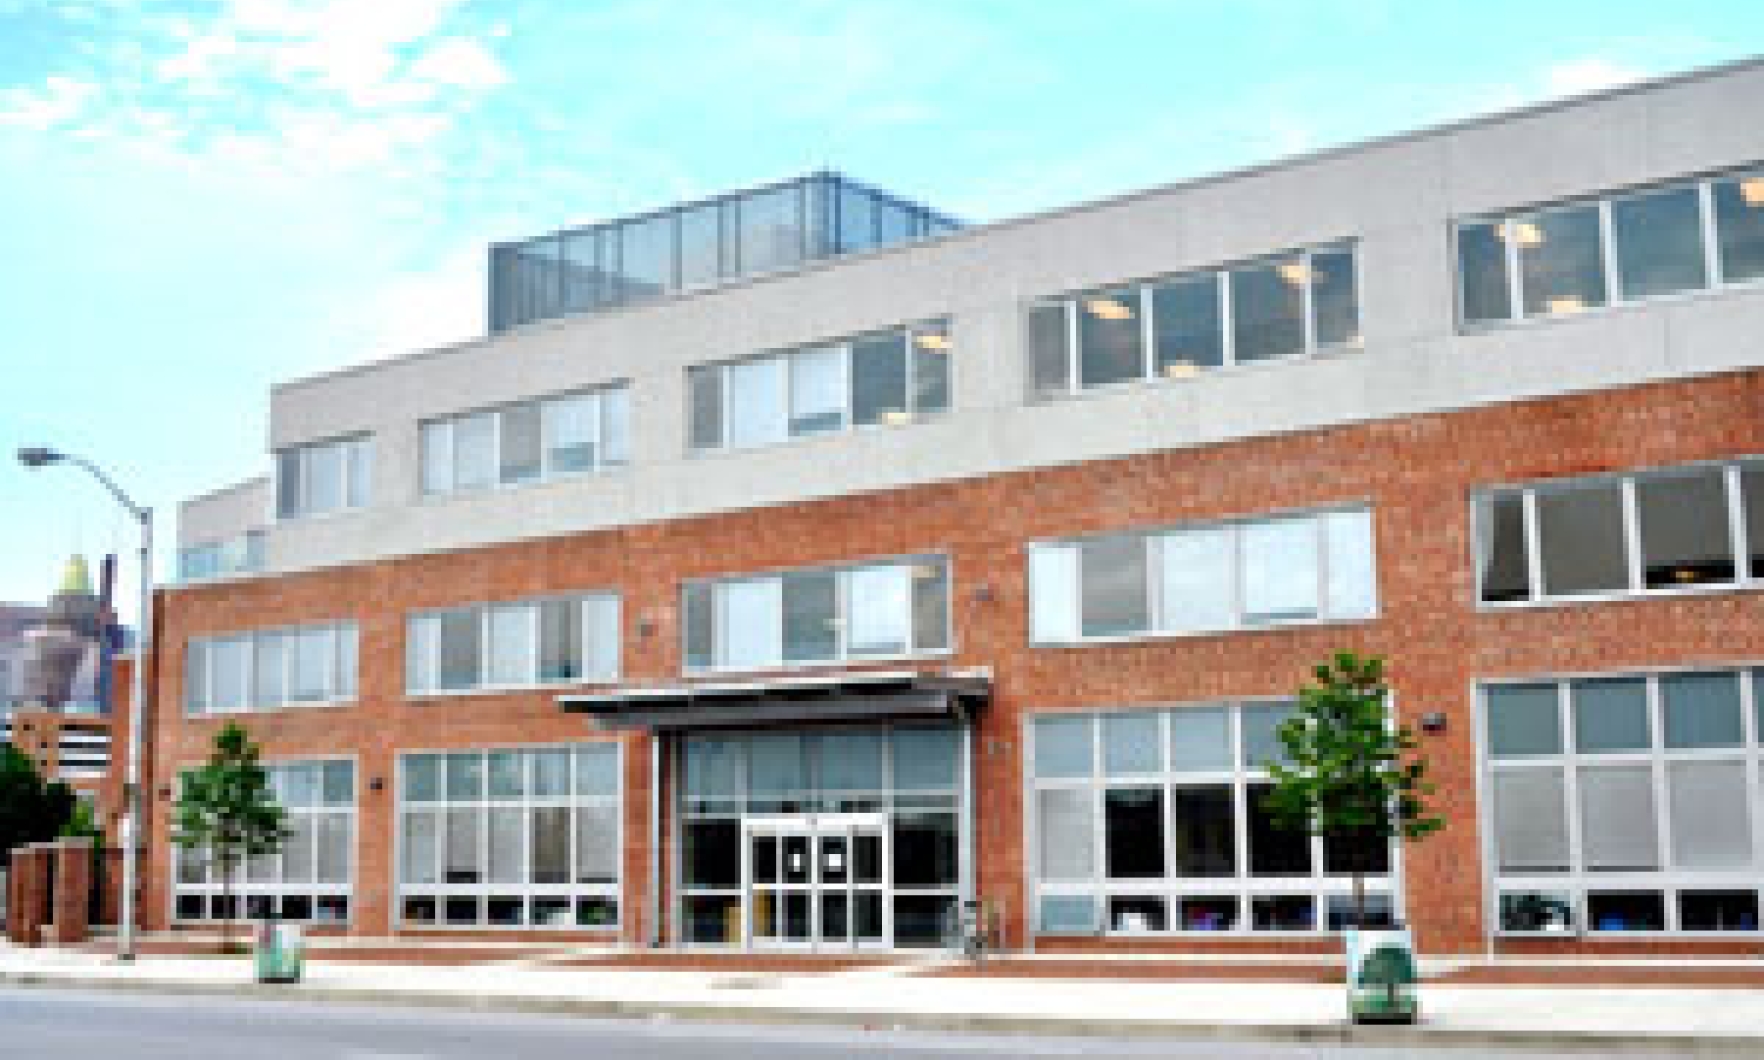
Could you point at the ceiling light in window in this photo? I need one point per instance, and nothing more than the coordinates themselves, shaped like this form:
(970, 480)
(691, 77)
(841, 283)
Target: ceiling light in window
(1524, 233)
(1296, 273)
(1180, 369)
(926, 572)
(1684, 574)
(1752, 190)
(932, 340)
(897, 417)
(1108, 309)
(1568, 303)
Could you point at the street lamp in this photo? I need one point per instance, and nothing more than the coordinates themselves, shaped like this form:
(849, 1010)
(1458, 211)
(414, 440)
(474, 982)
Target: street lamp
(131, 822)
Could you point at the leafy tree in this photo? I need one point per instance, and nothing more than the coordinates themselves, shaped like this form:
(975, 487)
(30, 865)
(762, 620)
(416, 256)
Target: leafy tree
(82, 823)
(32, 810)
(227, 811)
(1350, 773)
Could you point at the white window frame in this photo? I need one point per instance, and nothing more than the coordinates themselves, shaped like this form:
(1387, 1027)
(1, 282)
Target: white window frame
(842, 653)
(527, 891)
(1156, 622)
(355, 456)
(440, 431)
(1668, 881)
(1141, 292)
(1320, 886)
(344, 637)
(1733, 483)
(1615, 298)
(588, 606)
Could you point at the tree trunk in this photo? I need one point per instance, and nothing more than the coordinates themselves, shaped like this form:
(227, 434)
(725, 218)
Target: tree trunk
(226, 945)
(1359, 900)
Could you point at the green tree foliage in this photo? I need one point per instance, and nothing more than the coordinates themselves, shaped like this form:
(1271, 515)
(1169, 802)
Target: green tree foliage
(227, 811)
(32, 810)
(1351, 774)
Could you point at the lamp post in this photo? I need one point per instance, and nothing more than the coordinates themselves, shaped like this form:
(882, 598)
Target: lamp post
(131, 821)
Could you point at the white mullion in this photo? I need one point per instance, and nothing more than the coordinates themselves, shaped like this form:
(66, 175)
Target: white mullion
(1234, 541)
(1614, 293)
(1570, 766)
(1706, 222)
(1666, 871)
(1507, 230)
(486, 645)
(1152, 546)
(1307, 301)
(1632, 542)
(1320, 530)
(1739, 547)
(1227, 332)
(1074, 379)
(1148, 361)
(543, 408)
(1533, 540)
(496, 448)
(1098, 786)
(725, 427)
(848, 383)
(532, 662)
(597, 403)
(1750, 691)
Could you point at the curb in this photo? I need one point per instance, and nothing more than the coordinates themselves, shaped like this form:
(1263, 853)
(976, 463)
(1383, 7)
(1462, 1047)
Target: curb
(1588, 1042)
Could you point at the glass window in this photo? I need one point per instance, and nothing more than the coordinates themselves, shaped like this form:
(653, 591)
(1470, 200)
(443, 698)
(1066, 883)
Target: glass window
(817, 391)
(1739, 224)
(1353, 581)
(1110, 337)
(810, 610)
(1114, 595)
(1581, 539)
(323, 470)
(615, 426)
(930, 606)
(1617, 820)
(1702, 710)
(879, 615)
(1530, 818)
(597, 771)
(931, 356)
(756, 402)
(1718, 910)
(461, 649)
(360, 459)
(925, 758)
(229, 674)
(706, 385)
(698, 605)
(1206, 831)
(314, 658)
(582, 273)
(1523, 721)
(571, 433)
(850, 760)
(1200, 739)
(1261, 739)
(1280, 565)
(1067, 818)
(1274, 850)
(925, 850)
(1684, 529)
(1710, 814)
(1133, 833)
(1132, 743)
(1053, 593)
(751, 622)
(1501, 558)
(646, 257)
(1188, 333)
(713, 774)
(511, 645)
(1066, 913)
(560, 640)
(857, 220)
(1560, 260)
(1334, 300)
(1625, 911)
(269, 670)
(1482, 273)
(1752, 494)
(1063, 747)
(1659, 242)
(879, 379)
(521, 453)
(422, 653)
(771, 229)
(700, 245)
(422, 778)
(437, 445)
(474, 451)
(1197, 591)
(1049, 350)
(777, 778)
(1268, 309)
(1610, 714)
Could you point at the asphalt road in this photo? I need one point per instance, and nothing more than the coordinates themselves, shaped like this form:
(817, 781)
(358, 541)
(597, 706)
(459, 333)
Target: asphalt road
(56, 1024)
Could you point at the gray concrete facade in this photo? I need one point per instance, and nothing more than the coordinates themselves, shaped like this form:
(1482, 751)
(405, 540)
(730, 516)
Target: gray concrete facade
(1397, 198)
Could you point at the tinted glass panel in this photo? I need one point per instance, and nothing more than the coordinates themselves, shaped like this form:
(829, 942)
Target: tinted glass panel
(1063, 747)
(1206, 833)
(756, 402)
(1523, 720)
(1274, 850)
(1115, 598)
(931, 357)
(1334, 299)
(1132, 743)
(706, 385)
(1739, 225)
(1610, 714)
(1702, 710)
(1133, 833)
(879, 379)
(810, 607)
(1559, 260)
(520, 443)
(1482, 273)
(1198, 591)
(1684, 531)
(1752, 493)
(1049, 350)
(1582, 540)
(1267, 310)
(1200, 739)
(1280, 570)
(1189, 335)
(1110, 337)
(1659, 243)
(817, 391)
(571, 432)
(1500, 544)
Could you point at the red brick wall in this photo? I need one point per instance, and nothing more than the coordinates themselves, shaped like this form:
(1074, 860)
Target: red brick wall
(1418, 473)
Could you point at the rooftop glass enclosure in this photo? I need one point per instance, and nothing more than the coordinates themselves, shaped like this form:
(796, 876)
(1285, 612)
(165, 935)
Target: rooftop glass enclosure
(697, 244)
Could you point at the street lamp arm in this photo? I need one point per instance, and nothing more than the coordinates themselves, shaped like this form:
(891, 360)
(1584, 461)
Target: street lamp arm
(141, 514)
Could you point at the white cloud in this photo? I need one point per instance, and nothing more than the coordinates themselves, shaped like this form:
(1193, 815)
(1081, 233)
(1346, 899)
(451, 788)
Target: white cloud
(1578, 76)
(461, 62)
(434, 307)
(58, 102)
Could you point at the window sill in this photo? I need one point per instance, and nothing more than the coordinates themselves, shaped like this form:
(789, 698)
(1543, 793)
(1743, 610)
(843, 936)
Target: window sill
(438, 497)
(1137, 638)
(1153, 383)
(831, 666)
(1478, 328)
(1750, 585)
(287, 708)
(918, 419)
(413, 696)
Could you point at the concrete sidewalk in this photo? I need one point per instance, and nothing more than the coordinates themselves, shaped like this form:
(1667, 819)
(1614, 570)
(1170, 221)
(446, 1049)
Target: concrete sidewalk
(1602, 1019)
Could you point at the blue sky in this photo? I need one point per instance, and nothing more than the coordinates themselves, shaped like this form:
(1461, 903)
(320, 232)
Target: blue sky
(201, 197)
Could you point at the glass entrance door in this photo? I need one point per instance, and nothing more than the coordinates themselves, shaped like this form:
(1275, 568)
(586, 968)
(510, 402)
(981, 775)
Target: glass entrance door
(816, 882)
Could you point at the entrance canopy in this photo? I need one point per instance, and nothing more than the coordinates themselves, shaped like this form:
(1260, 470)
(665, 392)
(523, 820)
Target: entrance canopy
(873, 696)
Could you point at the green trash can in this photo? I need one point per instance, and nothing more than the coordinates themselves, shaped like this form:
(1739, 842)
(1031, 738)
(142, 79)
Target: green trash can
(280, 948)
(1382, 978)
